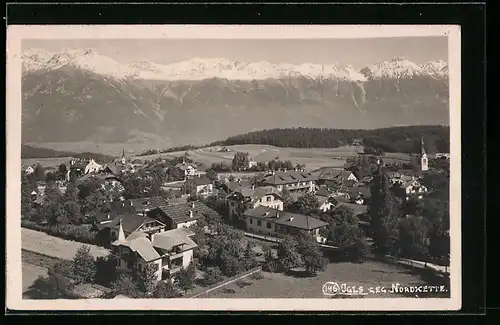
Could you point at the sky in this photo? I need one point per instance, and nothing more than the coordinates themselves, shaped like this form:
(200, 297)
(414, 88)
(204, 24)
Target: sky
(356, 52)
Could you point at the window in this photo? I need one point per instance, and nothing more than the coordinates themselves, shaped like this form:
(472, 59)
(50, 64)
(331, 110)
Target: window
(251, 221)
(259, 223)
(269, 198)
(268, 225)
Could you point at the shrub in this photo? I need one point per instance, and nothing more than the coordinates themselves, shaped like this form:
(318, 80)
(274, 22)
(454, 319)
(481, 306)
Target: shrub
(242, 284)
(80, 233)
(212, 276)
(256, 276)
(84, 265)
(270, 266)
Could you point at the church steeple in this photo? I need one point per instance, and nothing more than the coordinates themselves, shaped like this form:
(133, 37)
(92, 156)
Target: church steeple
(424, 161)
(123, 156)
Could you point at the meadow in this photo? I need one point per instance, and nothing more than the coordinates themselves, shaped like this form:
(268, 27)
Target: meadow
(312, 158)
(277, 285)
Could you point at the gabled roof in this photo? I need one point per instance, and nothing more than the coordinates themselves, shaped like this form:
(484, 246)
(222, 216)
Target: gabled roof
(334, 174)
(130, 222)
(148, 203)
(180, 213)
(141, 245)
(171, 238)
(285, 218)
(363, 190)
(323, 191)
(289, 177)
(256, 193)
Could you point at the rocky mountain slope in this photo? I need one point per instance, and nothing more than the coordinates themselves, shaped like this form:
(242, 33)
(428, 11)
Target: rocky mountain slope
(76, 95)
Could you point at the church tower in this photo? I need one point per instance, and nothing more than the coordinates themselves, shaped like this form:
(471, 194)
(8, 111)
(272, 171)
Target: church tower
(123, 157)
(424, 161)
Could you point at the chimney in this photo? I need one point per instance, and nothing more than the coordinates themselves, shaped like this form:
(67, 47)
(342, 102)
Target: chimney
(192, 205)
(190, 213)
(277, 214)
(290, 219)
(109, 216)
(253, 186)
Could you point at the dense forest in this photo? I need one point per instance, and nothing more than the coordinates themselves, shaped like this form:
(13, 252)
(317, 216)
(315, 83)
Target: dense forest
(395, 139)
(28, 152)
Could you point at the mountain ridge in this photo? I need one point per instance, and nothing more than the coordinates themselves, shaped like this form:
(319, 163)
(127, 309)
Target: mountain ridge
(93, 97)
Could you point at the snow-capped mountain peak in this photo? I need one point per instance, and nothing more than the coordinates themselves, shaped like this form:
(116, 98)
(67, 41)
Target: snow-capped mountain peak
(197, 68)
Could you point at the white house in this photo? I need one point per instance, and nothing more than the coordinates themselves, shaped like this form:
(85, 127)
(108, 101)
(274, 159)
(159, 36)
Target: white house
(92, 167)
(188, 169)
(199, 185)
(410, 189)
(182, 215)
(244, 198)
(29, 170)
(168, 251)
(325, 203)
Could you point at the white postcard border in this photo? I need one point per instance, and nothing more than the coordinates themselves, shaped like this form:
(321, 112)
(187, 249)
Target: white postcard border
(15, 34)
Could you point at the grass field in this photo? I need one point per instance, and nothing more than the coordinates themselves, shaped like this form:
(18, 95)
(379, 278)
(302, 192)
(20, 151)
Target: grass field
(313, 158)
(40, 242)
(275, 285)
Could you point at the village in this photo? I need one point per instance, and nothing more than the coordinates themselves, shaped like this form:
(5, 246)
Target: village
(176, 228)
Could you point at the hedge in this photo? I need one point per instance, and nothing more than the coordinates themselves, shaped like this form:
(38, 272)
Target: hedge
(78, 233)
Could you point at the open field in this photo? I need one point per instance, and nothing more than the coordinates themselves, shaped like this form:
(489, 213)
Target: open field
(276, 285)
(45, 162)
(313, 158)
(112, 149)
(40, 242)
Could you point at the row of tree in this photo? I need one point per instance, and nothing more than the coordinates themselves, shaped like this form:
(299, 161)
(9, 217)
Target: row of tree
(394, 139)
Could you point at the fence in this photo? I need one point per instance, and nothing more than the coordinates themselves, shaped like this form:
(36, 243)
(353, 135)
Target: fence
(416, 264)
(226, 282)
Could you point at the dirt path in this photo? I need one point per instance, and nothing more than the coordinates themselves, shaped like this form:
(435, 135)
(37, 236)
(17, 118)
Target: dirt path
(40, 242)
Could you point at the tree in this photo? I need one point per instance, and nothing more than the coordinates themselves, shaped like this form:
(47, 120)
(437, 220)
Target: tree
(53, 208)
(105, 270)
(147, 278)
(165, 289)
(307, 204)
(126, 285)
(250, 256)
(240, 161)
(71, 204)
(212, 175)
(52, 286)
(27, 210)
(185, 278)
(288, 255)
(212, 276)
(312, 257)
(63, 169)
(287, 200)
(84, 265)
(39, 173)
(413, 237)
(384, 213)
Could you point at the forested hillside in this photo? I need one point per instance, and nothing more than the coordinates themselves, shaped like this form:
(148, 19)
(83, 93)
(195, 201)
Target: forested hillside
(395, 139)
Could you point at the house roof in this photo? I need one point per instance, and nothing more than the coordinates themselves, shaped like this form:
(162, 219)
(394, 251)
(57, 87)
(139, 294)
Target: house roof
(256, 193)
(285, 218)
(289, 177)
(439, 195)
(148, 203)
(179, 213)
(141, 245)
(182, 166)
(115, 168)
(340, 199)
(200, 181)
(357, 208)
(363, 190)
(171, 238)
(334, 174)
(348, 183)
(323, 191)
(130, 222)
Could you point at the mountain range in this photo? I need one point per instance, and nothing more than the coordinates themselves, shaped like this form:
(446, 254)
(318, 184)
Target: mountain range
(80, 95)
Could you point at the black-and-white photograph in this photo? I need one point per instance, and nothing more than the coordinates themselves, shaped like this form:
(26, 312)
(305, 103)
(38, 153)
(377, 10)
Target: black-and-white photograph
(269, 167)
